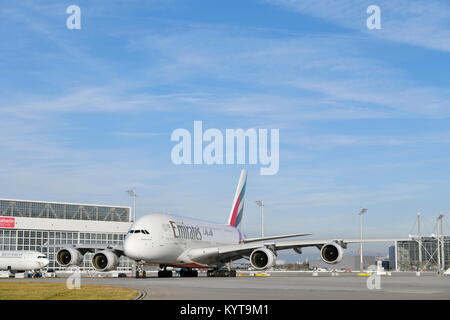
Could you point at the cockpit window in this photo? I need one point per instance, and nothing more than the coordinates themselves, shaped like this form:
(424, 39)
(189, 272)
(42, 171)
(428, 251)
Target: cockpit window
(42, 257)
(139, 231)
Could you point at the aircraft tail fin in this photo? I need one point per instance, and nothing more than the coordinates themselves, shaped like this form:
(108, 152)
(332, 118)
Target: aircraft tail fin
(237, 210)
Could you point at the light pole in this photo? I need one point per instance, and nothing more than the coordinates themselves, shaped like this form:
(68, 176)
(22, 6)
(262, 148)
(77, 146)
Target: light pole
(440, 249)
(261, 204)
(132, 193)
(442, 242)
(361, 239)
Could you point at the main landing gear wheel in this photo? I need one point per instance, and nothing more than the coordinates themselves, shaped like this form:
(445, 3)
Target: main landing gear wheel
(221, 273)
(164, 273)
(184, 273)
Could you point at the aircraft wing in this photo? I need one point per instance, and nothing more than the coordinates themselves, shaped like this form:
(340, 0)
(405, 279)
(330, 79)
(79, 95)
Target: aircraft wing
(83, 248)
(282, 245)
(233, 252)
(247, 240)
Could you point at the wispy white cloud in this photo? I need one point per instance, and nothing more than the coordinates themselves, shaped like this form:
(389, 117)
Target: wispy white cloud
(113, 98)
(420, 22)
(344, 78)
(404, 98)
(129, 134)
(200, 59)
(329, 141)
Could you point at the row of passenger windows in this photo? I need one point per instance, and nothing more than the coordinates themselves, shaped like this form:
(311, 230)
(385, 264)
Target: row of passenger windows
(139, 231)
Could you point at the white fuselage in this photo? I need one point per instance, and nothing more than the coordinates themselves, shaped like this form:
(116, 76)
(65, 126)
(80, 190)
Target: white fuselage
(169, 239)
(22, 260)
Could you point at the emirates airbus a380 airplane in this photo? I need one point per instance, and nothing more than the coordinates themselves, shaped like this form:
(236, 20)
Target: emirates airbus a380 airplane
(170, 240)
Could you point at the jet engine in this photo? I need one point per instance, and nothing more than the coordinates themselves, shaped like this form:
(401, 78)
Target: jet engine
(331, 253)
(262, 258)
(69, 257)
(105, 260)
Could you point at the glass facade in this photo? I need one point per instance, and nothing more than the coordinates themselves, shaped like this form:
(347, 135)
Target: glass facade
(48, 210)
(12, 238)
(408, 257)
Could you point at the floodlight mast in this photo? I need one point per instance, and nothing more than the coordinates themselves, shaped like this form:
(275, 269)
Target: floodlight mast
(363, 210)
(440, 244)
(261, 204)
(132, 193)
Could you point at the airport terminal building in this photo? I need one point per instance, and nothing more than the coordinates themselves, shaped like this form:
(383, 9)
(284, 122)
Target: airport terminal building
(28, 225)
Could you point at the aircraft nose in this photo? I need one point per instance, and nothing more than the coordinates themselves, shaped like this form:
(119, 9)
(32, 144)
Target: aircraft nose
(43, 263)
(130, 248)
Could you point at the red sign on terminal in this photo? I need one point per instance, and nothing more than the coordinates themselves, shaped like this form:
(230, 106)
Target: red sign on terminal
(6, 222)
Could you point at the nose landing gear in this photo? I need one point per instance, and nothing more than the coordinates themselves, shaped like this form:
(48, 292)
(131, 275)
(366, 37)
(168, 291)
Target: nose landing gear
(140, 272)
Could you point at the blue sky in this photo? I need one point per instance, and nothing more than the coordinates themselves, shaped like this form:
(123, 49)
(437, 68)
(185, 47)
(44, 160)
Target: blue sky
(363, 114)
